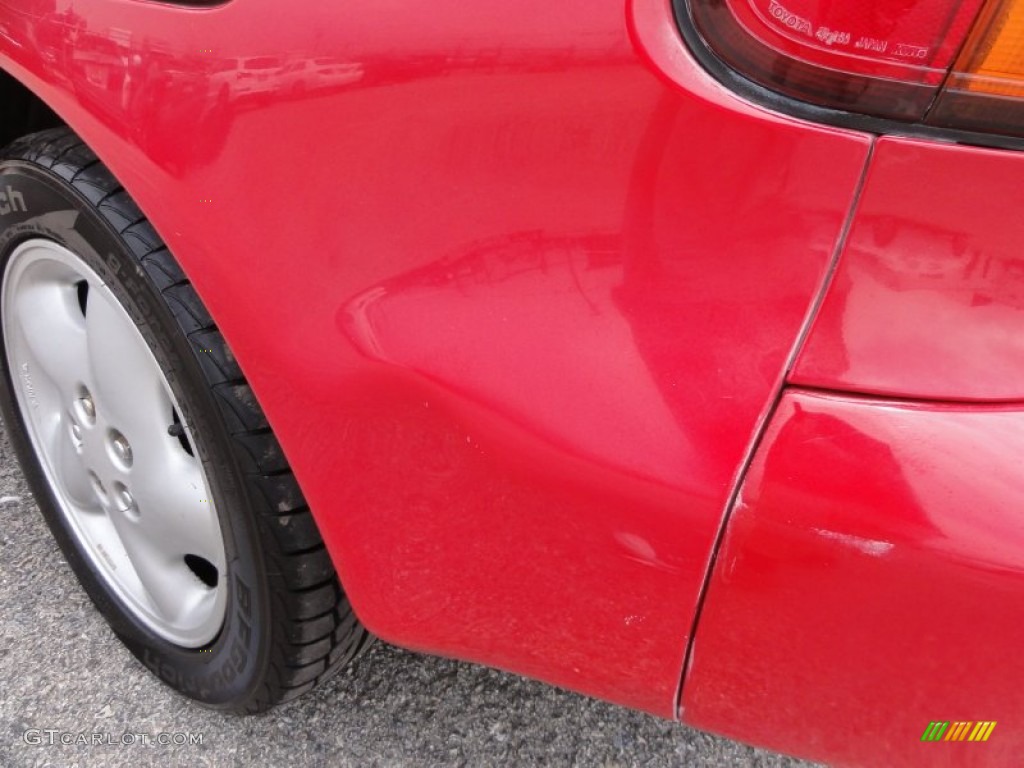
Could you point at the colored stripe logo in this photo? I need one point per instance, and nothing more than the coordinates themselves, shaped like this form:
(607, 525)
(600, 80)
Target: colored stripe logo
(973, 730)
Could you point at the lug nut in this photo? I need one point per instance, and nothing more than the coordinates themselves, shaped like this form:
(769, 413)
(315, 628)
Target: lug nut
(121, 448)
(124, 499)
(88, 407)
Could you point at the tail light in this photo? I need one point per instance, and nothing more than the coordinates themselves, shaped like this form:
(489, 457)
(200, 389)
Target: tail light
(948, 63)
(985, 89)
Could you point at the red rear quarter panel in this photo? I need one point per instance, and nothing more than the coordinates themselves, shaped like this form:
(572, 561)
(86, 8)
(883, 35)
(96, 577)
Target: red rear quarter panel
(514, 284)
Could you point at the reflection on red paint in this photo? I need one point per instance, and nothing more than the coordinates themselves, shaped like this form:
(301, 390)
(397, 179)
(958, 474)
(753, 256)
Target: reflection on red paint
(929, 297)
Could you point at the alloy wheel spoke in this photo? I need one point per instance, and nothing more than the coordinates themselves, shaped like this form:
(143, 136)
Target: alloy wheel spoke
(128, 384)
(175, 511)
(163, 579)
(54, 336)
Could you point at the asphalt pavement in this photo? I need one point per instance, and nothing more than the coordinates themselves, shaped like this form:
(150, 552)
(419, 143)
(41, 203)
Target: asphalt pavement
(71, 695)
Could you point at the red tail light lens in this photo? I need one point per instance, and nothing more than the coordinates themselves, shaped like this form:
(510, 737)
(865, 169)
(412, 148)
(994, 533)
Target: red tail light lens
(950, 63)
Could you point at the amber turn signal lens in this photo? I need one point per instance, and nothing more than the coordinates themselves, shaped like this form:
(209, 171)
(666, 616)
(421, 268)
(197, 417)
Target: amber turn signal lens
(985, 87)
(993, 59)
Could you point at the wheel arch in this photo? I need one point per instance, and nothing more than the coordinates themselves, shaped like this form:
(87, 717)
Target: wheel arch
(35, 105)
(26, 111)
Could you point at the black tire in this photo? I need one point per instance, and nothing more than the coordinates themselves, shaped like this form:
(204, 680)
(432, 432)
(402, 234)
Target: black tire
(288, 624)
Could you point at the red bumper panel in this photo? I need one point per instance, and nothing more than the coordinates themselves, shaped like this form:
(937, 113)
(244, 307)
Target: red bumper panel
(871, 587)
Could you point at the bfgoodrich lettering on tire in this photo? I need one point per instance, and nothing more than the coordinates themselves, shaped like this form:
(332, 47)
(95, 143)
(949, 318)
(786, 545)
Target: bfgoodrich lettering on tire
(144, 446)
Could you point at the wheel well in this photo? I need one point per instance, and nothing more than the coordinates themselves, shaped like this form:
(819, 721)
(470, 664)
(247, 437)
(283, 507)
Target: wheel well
(23, 111)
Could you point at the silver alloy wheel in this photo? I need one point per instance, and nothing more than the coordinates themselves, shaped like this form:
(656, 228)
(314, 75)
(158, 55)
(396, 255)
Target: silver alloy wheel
(106, 429)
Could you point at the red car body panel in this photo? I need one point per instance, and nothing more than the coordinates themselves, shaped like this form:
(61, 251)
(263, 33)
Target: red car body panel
(518, 287)
(514, 299)
(871, 581)
(928, 301)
